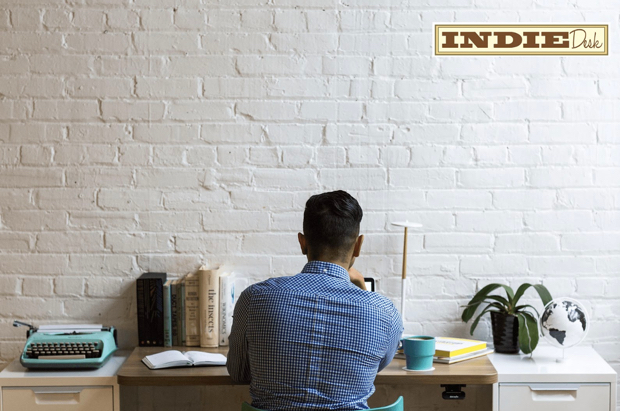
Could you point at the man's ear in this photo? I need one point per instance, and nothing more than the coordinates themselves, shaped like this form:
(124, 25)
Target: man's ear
(302, 243)
(358, 246)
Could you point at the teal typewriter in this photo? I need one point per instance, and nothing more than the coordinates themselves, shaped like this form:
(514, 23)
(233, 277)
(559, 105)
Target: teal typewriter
(67, 346)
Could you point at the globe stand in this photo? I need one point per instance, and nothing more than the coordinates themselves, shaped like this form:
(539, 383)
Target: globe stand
(563, 356)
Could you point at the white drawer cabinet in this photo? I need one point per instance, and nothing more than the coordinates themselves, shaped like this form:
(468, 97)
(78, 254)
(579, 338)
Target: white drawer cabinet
(52, 390)
(583, 381)
(58, 398)
(554, 397)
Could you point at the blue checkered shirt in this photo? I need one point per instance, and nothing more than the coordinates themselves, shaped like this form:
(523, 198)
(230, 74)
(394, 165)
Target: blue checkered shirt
(313, 341)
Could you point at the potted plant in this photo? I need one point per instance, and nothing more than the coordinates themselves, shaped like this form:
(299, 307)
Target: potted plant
(514, 326)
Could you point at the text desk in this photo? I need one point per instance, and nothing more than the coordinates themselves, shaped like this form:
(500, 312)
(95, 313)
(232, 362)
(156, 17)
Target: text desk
(478, 371)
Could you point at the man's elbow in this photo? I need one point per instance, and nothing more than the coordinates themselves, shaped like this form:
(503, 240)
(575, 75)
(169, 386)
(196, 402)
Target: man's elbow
(384, 363)
(238, 376)
(242, 380)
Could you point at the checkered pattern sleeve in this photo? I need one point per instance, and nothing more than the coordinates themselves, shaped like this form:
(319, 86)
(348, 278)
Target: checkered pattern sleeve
(393, 338)
(238, 364)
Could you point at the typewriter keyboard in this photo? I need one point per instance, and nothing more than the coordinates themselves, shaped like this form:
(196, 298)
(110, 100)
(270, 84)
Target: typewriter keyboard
(64, 351)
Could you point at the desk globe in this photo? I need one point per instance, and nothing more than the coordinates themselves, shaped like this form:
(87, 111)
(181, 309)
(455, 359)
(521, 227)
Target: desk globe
(564, 323)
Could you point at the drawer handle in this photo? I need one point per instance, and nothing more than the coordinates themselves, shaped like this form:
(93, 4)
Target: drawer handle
(57, 390)
(555, 395)
(57, 395)
(554, 388)
(50, 398)
(554, 392)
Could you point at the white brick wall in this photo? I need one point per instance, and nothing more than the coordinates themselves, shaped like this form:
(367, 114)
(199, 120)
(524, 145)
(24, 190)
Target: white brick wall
(158, 135)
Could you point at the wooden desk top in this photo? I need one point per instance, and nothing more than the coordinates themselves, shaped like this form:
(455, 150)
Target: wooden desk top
(474, 371)
(134, 372)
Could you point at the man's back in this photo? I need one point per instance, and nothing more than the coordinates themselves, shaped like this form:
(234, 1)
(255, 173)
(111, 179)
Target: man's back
(312, 341)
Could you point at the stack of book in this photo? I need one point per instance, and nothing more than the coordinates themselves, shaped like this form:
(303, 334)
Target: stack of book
(192, 311)
(452, 350)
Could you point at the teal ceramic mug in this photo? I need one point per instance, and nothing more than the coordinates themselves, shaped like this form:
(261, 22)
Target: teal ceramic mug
(419, 351)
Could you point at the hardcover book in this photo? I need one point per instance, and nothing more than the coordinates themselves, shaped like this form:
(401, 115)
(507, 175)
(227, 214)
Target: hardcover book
(192, 322)
(174, 313)
(209, 287)
(452, 347)
(181, 311)
(231, 287)
(167, 315)
(463, 357)
(150, 306)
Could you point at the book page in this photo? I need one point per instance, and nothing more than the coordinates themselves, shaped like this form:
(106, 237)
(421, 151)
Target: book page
(170, 358)
(205, 358)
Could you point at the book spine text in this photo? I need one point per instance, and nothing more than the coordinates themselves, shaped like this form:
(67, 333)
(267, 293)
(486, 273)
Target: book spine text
(209, 284)
(192, 323)
(167, 316)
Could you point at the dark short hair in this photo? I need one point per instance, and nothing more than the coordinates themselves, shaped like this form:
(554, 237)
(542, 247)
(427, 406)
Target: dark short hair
(332, 223)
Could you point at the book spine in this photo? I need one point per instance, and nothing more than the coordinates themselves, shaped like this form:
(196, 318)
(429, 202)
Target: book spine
(227, 290)
(167, 316)
(181, 299)
(156, 294)
(192, 323)
(150, 309)
(173, 313)
(141, 307)
(209, 284)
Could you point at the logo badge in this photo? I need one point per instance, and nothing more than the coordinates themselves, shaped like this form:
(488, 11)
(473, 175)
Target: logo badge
(520, 39)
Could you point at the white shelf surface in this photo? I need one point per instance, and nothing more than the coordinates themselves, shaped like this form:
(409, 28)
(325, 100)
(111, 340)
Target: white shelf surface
(15, 375)
(581, 364)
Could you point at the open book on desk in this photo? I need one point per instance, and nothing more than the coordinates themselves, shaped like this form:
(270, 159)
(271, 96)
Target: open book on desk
(173, 358)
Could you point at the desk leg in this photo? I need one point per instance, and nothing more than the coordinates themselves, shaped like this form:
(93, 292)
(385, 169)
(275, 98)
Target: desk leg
(116, 391)
(495, 397)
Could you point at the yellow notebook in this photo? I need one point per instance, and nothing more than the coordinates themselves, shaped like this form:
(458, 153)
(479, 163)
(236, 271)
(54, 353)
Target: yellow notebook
(451, 347)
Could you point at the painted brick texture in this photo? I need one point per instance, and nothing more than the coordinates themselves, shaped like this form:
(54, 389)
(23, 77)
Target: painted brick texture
(159, 135)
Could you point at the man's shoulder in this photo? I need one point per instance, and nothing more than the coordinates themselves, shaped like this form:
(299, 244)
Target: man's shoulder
(330, 288)
(380, 301)
(270, 283)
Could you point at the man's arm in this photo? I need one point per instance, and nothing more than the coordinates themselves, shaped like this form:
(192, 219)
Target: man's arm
(394, 335)
(237, 362)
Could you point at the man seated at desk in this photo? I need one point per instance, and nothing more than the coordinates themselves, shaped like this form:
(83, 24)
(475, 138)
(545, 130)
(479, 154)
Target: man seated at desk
(315, 340)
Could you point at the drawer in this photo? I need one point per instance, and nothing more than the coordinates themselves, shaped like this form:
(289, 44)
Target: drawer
(57, 398)
(554, 397)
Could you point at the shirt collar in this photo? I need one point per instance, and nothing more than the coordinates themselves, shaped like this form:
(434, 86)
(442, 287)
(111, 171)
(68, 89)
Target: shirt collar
(322, 267)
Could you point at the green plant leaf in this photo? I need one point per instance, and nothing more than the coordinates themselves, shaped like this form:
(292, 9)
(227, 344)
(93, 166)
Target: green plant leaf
(520, 291)
(531, 315)
(480, 296)
(499, 299)
(487, 309)
(520, 308)
(500, 307)
(544, 294)
(528, 332)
